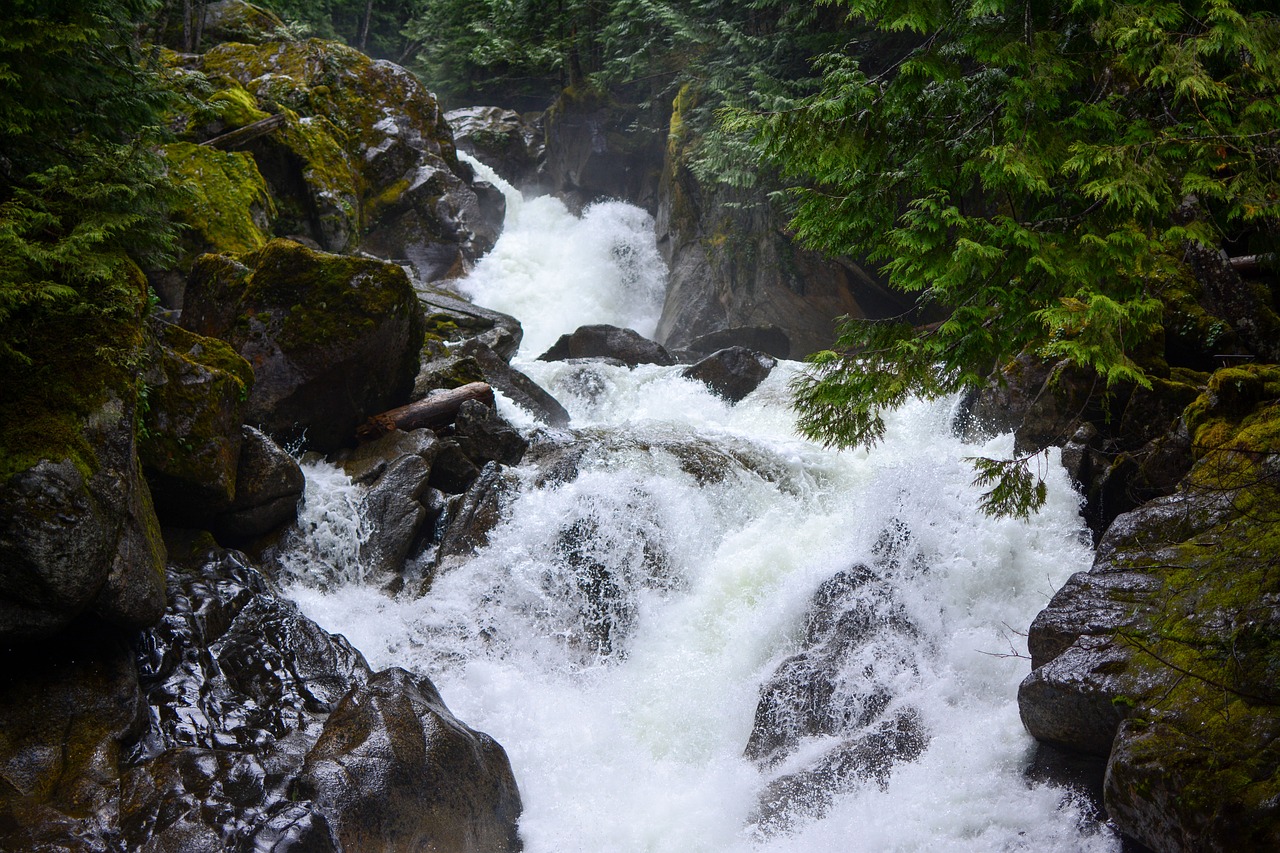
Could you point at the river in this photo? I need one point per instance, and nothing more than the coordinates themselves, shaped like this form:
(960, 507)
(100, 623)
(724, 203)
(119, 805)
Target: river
(615, 633)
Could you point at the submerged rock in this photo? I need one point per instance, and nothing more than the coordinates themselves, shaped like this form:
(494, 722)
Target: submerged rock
(733, 373)
(605, 341)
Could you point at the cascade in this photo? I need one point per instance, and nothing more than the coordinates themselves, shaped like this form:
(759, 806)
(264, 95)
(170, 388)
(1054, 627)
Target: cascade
(693, 630)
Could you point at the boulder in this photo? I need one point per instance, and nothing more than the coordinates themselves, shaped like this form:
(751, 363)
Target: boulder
(605, 341)
(1162, 657)
(78, 531)
(453, 320)
(262, 731)
(394, 471)
(733, 373)
(501, 139)
(470, 517)
(332, 339)
(269, 486)
(395, 771)
(190, 438)
(228, 208)
(364, 159)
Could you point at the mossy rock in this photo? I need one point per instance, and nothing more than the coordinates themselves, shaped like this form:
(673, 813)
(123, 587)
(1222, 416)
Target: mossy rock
(365, 159)
(332, 339)
(197, 388)
(1194, 672)
(227, 208)
(78, 532)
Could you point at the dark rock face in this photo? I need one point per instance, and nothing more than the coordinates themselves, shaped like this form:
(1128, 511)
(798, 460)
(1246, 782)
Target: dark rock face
(769, 340)
(733, 373)
(332, 339)
(502, 140)
(604, 341)
(238, 724)
(269, 485)
(1162, 657)
(594, 151)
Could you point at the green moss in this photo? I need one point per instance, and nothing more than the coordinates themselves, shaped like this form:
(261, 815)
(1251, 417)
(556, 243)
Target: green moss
(83, 369)
(235, 106)
(227, 206)
(329, 297)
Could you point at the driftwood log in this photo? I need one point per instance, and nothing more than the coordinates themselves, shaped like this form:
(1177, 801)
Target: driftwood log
(438, 409)
(233, 139)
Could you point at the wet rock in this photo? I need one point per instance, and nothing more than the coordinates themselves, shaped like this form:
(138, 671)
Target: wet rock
(853, 620)
(501, 139)
(269, 486)
(1162, 657)
(453, 471)
(470, 518)
(265, 732)
(332, 339)
(394, 470)
(396, 771)
(867, 757)
(68, 711)
(770, 340)
(190, 442)
(604, 341)
(733, 373)
(485, 437)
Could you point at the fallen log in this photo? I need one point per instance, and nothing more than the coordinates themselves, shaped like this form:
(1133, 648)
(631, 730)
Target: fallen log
(438, 409)
(233, 139)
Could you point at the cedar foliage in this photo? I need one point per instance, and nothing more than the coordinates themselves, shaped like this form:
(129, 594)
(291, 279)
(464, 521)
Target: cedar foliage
(80, 189)
(1036, 169)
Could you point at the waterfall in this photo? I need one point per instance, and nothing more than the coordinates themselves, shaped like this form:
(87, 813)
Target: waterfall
(656, 572)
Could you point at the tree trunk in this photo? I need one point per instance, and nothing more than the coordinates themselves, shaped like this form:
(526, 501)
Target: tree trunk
(437, 410)
(362, 37)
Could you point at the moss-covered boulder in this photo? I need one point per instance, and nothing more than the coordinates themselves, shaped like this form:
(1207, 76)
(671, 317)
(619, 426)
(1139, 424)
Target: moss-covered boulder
(197, 388)
(364, 158)
(78, 533)
(226, 208)
(332, 339)
(1165, 656)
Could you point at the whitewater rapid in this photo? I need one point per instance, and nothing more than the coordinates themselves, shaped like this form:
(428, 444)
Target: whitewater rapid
(718, 523)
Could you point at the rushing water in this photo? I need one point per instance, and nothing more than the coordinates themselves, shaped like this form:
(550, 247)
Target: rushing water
(615, 633)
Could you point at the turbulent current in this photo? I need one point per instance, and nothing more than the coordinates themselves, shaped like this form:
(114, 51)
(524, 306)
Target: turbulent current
(621, 626)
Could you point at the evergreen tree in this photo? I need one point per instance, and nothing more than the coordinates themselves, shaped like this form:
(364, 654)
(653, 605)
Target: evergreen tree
(1034, 168)
(80, 188)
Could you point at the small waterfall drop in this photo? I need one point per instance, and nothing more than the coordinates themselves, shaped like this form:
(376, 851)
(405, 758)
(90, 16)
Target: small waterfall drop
(555, 271)
(655, 575)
